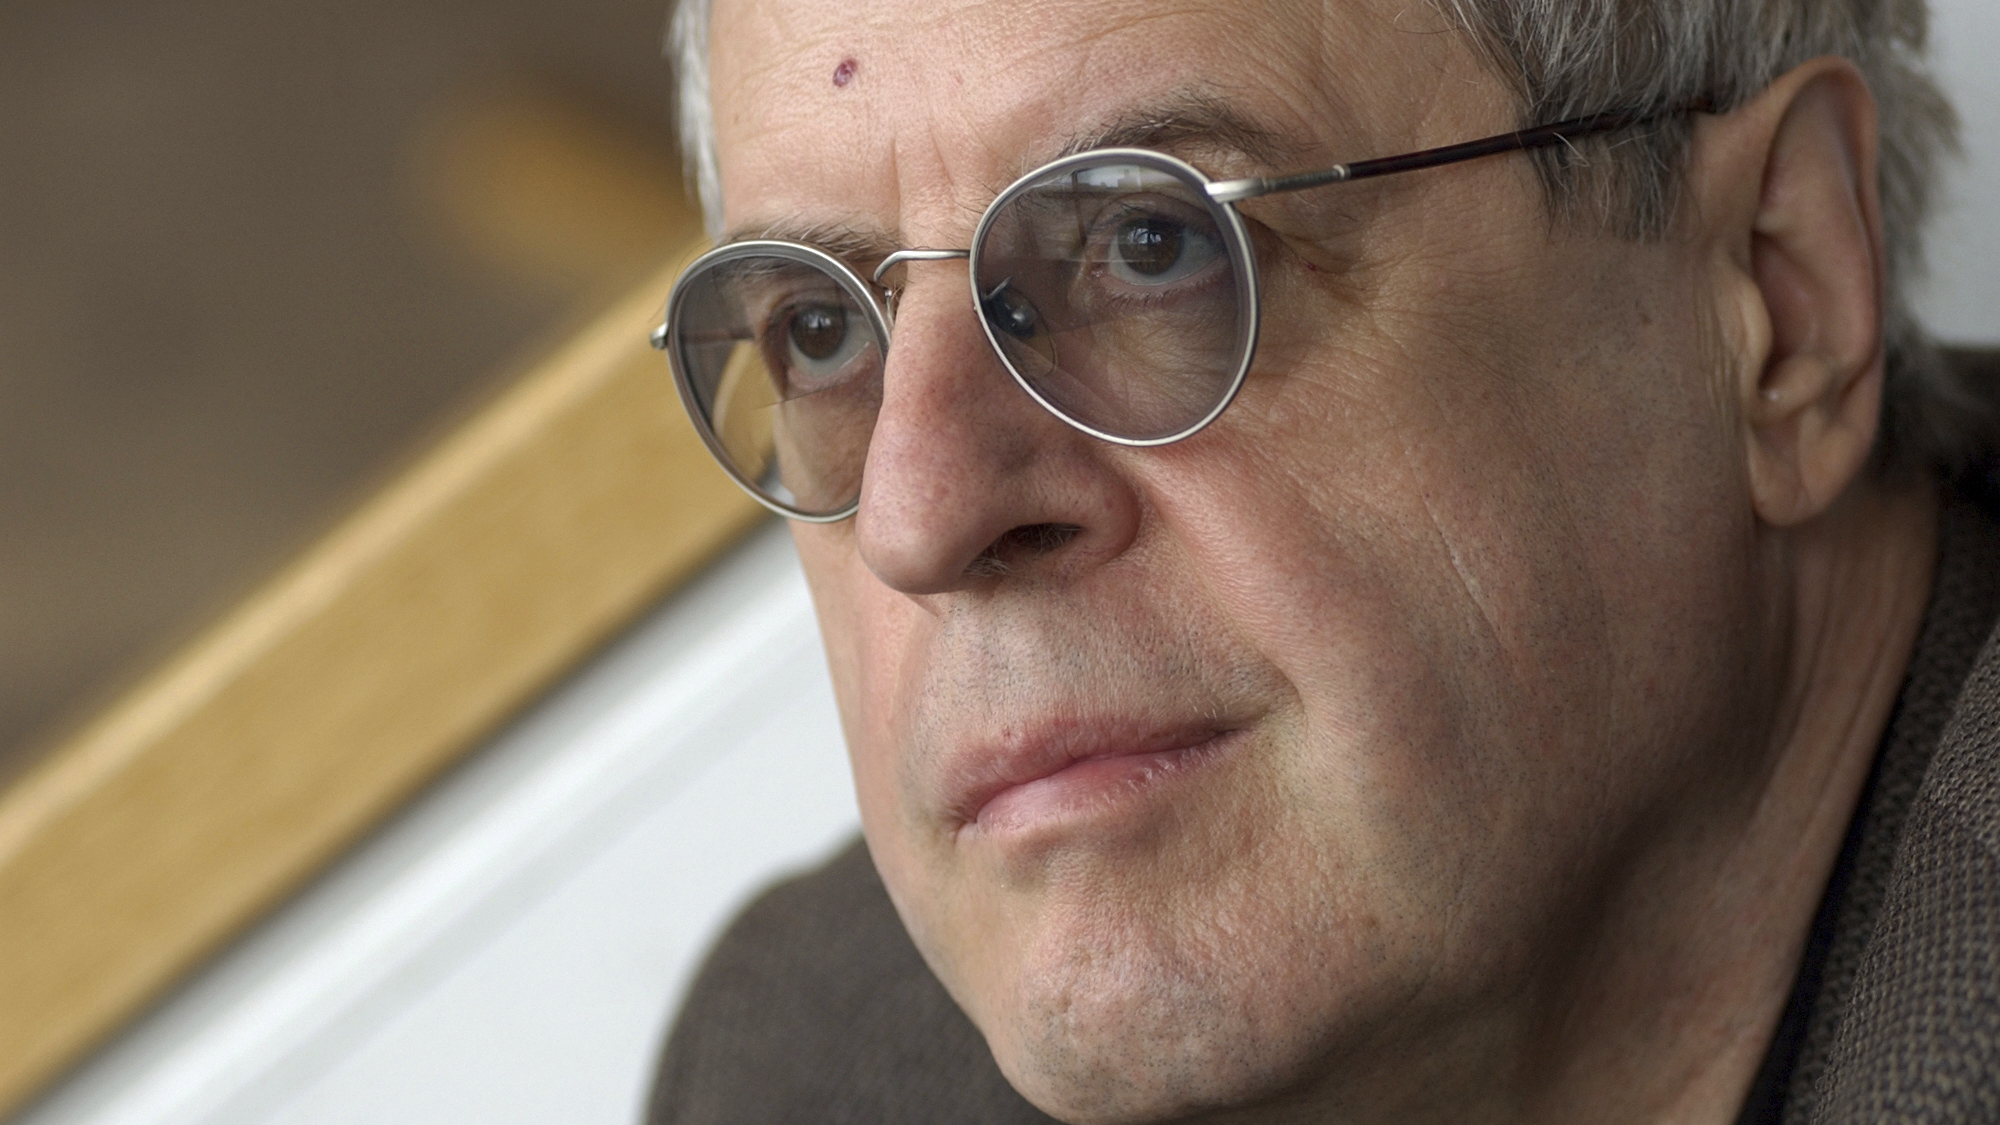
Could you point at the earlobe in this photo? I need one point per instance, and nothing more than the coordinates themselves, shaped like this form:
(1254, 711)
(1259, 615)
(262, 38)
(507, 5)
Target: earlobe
(1811, 402)
(1809, 435)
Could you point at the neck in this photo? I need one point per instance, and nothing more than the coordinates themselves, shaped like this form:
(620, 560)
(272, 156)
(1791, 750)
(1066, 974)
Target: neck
(1698, 974)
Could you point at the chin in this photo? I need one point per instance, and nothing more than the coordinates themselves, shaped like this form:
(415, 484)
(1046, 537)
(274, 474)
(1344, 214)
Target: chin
(1107, 1022)
(1137, 1045)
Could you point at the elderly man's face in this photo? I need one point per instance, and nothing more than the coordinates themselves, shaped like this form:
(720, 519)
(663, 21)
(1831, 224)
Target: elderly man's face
(1310, 743)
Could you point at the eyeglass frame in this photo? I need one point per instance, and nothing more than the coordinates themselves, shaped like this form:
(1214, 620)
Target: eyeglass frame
(1225, 194)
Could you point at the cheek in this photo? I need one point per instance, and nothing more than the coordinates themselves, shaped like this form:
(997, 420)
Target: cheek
(871, 633)
(1470, 572)
(1361, 611)
(866, 628)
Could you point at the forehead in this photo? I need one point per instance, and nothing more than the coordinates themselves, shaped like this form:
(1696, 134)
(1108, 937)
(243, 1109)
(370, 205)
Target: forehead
(906, 116)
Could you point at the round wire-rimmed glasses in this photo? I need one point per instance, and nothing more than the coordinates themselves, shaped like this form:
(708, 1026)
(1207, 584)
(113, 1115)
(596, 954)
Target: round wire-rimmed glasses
(1118, 287)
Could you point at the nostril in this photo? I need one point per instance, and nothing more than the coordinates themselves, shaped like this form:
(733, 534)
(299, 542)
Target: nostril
(1041, 538)
(1020, 545)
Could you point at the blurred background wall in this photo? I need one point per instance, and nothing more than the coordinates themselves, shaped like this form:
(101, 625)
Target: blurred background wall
(251, 254)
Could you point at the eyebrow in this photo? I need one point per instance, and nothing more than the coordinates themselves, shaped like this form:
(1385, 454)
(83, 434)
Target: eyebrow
(1188, 119)
(848, 243)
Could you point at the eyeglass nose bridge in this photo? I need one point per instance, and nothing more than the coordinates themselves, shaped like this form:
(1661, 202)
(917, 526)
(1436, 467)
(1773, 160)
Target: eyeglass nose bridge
(915, 254)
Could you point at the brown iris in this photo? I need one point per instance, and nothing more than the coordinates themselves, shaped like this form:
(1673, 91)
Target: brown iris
(1149, 247)
(818, 332)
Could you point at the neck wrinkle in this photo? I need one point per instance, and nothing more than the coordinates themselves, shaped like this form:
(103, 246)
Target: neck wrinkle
(1858, 584)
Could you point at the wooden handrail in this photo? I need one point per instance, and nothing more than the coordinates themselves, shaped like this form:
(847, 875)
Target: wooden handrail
(401, 640)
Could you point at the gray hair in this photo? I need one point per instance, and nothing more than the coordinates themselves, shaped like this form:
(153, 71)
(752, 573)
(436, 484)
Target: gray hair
(1567, 58)
(687, 47)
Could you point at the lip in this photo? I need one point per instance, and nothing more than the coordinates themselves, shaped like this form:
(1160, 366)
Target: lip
(1065, 770)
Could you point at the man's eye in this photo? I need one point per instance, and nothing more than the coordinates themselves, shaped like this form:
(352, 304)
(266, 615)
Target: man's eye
(820, 341)
(1153, 250)
(817, 333)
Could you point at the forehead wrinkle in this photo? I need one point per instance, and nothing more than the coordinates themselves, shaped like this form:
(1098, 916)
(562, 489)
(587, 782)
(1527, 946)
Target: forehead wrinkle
(1193, 119)
(1193, 122)
(940, 186)
(1182, 121)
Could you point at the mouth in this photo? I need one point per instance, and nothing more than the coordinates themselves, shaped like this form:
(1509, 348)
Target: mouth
(1076, 772)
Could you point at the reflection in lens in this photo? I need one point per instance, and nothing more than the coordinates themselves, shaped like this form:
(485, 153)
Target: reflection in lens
(1155, 251)
(1148, 247)
(819, 331)
(1011, 311)
(1110, 290)
(784, 367)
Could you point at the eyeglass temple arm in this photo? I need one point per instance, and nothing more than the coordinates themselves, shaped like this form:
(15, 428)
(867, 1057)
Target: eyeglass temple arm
(1542, 136)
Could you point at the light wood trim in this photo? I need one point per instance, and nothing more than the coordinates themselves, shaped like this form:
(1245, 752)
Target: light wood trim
(401, 640)
(544, 190)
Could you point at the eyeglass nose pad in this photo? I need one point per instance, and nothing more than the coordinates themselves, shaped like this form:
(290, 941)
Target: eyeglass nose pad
(1010, 310)
(1018, 323)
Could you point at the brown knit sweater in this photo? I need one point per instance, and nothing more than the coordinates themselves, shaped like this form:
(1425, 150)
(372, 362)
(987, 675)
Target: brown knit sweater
(815, 1007)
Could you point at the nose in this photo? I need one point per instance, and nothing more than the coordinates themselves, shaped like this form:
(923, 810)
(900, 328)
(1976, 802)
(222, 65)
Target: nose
(968, 480)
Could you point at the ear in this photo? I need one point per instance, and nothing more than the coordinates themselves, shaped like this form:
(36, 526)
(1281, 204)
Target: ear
(1803, 236)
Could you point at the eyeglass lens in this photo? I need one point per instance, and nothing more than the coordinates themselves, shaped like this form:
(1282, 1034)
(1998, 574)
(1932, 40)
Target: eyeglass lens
(1114, 290)
(784, 367)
